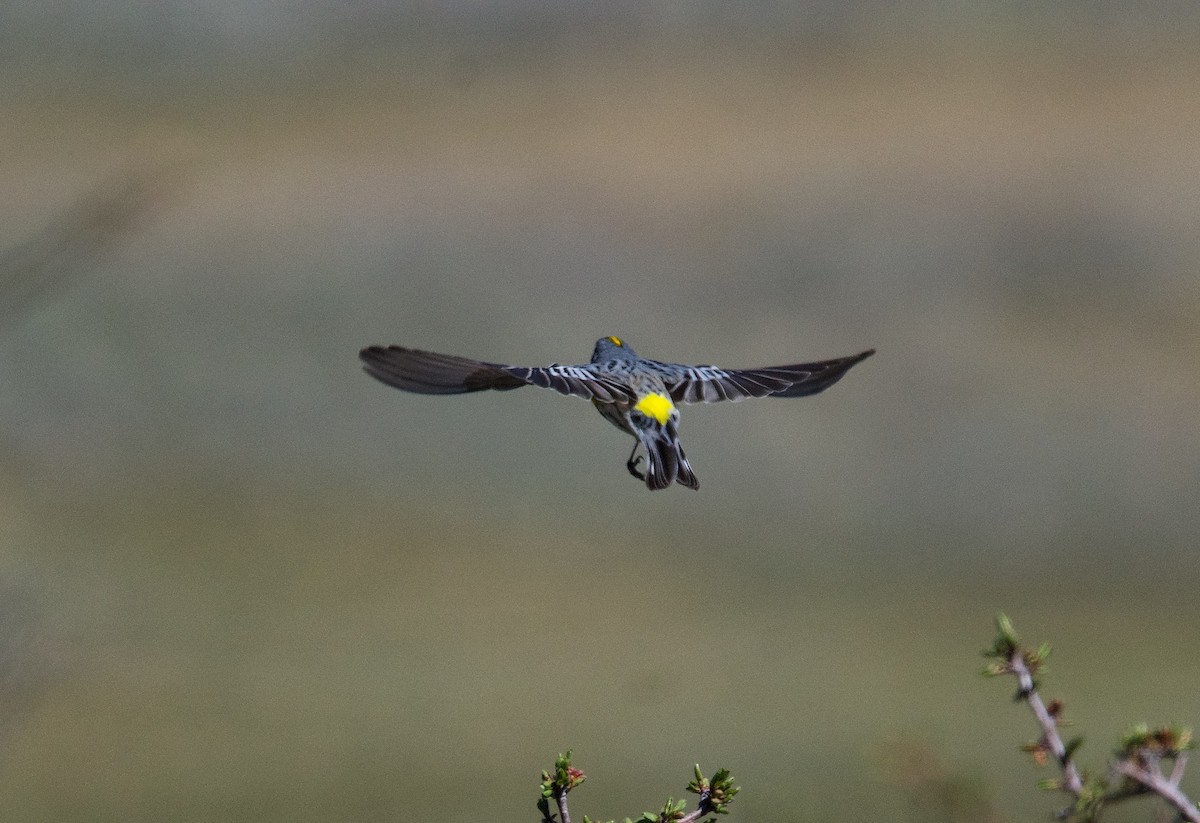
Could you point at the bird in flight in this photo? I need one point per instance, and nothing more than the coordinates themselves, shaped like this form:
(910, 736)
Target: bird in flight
(640, 397)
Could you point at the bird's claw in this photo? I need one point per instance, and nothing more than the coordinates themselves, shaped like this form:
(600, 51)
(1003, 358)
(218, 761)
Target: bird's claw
(632, 465)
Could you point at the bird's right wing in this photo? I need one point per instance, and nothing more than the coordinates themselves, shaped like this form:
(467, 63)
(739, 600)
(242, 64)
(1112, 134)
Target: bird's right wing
(709, 384)
(426, 372)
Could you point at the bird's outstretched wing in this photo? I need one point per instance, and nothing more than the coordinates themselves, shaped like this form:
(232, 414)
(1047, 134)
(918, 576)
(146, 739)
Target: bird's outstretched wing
(709, 384)
(426, 372)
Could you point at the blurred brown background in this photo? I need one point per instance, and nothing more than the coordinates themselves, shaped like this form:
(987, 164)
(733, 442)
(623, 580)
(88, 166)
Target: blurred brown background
(239, 580)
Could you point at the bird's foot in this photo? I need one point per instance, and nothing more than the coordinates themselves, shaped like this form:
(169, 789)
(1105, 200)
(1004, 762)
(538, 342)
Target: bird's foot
(632, 465)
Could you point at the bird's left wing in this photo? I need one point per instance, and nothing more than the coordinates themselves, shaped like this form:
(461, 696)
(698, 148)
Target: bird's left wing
(710, 384)
(427, 372)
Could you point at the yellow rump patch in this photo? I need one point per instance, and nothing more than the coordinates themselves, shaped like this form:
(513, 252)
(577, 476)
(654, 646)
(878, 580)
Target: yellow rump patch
(658, 406)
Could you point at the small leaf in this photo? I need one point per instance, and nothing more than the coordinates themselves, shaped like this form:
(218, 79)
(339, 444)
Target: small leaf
(1005, 629)
(1004, 625)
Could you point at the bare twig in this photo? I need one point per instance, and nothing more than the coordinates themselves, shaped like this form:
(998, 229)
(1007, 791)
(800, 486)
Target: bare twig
(77, 239)
(1149, 777)
(1072, 782)
(703, 809)
(1139, 760)
(1177, 771)
(563, 813)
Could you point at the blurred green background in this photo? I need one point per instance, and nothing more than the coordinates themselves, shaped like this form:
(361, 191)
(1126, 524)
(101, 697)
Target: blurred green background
(239, 580)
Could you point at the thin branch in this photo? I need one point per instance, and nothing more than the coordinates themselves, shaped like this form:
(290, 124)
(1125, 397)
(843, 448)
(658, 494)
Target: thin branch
(703, 808)
(76, 241)
(1072, 782)
(1153, 781)
(1177, 769)
(1139, 759)
(563, 814)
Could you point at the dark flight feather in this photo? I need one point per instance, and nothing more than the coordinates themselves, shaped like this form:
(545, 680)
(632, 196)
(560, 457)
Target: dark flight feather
(710, 384)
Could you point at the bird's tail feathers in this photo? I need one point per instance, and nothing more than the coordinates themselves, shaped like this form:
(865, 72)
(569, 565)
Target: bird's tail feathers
(686, 476)
(665, 460)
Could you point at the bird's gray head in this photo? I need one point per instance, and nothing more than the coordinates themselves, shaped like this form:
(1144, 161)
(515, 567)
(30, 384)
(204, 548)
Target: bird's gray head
(611, 348)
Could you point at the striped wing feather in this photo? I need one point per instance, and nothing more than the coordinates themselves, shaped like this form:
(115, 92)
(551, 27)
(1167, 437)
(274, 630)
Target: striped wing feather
(426, 372)
(710, 384)
(580, 381)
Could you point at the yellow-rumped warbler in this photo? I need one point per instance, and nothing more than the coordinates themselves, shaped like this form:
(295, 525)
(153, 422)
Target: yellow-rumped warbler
(636, 395)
